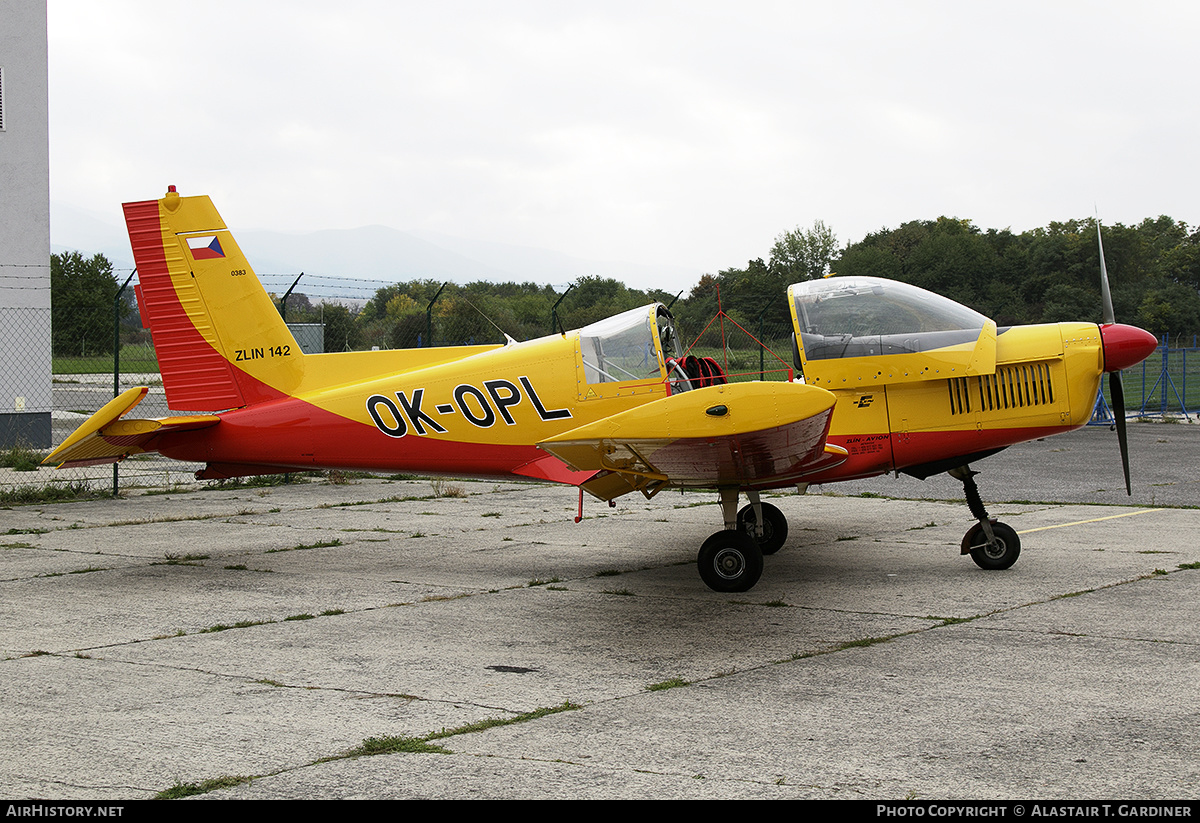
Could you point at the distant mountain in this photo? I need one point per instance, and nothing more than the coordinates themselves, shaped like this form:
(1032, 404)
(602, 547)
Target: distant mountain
(373, 253)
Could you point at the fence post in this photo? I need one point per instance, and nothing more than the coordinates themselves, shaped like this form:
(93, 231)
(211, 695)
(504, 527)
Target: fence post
(1164, 381)
(762, 353)
(554, 324)
(429, 316)
(117, 357)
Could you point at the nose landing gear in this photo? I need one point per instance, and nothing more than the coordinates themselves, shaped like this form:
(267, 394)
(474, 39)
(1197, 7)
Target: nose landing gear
(992, 545)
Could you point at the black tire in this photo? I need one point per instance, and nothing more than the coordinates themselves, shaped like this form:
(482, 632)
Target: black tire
(730, 561)
(1000, 556)
(775, 527)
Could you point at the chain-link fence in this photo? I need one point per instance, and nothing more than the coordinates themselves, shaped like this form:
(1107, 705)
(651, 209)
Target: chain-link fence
(98, 351)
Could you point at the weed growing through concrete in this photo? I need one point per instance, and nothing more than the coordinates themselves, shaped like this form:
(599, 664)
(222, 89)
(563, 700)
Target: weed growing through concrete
(444, 488)
(320, 544)
(180, 790)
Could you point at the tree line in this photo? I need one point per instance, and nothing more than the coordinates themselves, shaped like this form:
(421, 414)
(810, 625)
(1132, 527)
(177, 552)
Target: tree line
(1043, 275)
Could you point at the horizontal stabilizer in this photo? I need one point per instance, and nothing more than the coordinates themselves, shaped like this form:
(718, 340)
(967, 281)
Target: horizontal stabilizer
(106, 438)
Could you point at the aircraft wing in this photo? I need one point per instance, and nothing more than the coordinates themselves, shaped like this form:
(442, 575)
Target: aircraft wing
(737, 434)
(106, 438)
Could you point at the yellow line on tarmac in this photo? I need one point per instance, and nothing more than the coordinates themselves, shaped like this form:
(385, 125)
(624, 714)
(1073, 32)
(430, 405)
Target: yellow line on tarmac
(1082, 522)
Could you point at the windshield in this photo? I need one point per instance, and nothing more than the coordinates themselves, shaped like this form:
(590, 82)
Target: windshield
(861, 316)
(623, 347)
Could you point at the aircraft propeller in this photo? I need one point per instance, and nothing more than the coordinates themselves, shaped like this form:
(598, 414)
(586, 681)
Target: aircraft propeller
(1123, 346)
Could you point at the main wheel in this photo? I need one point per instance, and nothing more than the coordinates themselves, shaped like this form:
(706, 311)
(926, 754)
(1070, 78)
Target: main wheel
(775, 528)
(1001, 555)
(730, 561)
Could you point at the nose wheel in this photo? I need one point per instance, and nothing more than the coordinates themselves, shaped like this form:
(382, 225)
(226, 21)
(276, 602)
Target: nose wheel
(999, 551)
(992, 545)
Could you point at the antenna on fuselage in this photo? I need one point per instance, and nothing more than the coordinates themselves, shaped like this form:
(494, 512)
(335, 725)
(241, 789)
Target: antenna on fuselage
(507, 339)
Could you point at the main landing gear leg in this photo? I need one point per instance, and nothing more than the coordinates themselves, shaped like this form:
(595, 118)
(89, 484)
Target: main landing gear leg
(991, 544)
(764, 522)
(730, 560)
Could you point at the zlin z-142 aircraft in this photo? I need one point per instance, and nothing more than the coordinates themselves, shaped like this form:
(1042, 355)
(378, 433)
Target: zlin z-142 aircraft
(894, 378)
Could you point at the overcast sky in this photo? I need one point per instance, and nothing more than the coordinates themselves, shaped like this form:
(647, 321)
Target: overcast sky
(669, 133)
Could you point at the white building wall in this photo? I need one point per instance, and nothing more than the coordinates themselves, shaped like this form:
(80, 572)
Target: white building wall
(25, 382)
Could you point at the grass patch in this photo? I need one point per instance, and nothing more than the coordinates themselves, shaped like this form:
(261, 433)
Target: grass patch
(422, 745)
(241, 624)
(393, 499)
(320, 544)
(445, 488)
(495, 722)
(181, 790)
(673, 683)
(395, 745)
(50, 493)
(21, 458)
(256, 481)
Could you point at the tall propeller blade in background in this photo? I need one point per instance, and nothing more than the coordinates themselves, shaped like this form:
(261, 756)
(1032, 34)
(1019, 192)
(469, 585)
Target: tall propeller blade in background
(1105, 295)
(1116, 391)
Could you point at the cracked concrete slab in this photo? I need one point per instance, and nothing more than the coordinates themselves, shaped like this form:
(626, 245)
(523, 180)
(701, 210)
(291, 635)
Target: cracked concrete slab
(265, 632)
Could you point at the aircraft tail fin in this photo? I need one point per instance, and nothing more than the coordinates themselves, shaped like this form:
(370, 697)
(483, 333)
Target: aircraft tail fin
(219, 339)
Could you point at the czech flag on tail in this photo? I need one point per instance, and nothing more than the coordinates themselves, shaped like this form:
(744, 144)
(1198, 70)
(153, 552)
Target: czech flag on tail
(205, 248)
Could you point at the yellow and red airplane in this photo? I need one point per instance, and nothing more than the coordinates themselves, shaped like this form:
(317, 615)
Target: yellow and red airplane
(894, 379)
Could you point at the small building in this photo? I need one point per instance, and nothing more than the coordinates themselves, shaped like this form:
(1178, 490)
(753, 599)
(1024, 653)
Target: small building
(25, 367)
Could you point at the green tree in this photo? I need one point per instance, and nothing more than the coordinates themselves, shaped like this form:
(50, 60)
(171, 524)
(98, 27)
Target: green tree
(341, 332)
(804, 254)
(82, 293)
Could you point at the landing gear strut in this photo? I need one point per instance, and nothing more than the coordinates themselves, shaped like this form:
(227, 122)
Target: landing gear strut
(774, 526)
(732, 559)
(991, 544)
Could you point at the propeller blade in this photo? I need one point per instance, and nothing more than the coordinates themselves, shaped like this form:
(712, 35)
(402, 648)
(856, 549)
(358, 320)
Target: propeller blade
(1117, 392)
(1105, 294)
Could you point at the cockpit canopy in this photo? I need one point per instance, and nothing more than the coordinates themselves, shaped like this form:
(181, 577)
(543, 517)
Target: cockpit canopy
(856, 316)
(631, 346)
(841, 318)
